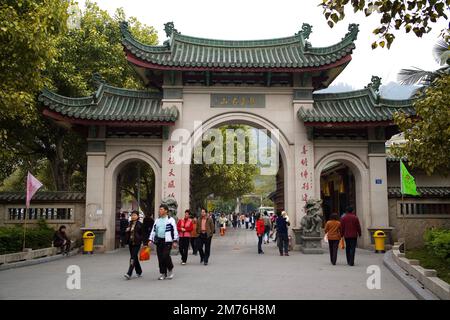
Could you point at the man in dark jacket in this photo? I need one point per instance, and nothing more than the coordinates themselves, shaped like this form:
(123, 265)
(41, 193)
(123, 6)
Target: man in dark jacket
(205, 230)
(123, 229)
(282, 234)
(134, 237)
(60, 240)
(350, 230)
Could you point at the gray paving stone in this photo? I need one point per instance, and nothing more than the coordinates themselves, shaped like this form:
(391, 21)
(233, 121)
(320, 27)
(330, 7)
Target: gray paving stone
(235, 272)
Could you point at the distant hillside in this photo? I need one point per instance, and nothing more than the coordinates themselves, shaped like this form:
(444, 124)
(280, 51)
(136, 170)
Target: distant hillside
(396, 91)
(392, 90)
(338, 87)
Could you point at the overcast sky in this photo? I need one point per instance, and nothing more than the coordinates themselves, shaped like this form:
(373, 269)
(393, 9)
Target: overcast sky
(263, 19)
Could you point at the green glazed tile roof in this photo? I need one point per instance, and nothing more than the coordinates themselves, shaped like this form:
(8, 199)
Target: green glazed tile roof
(354, 106)
(109, 103)
(392, 158)
(430, 192)
(192, 52)
(53, 196)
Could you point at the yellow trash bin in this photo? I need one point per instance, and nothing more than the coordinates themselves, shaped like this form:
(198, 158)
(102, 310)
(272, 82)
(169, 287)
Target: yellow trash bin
(379, 237)
(88, 242)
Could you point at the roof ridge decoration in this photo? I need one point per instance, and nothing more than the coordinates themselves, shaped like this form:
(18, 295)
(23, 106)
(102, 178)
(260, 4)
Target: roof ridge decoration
(169, 29)
(375, 83)
(305, 31)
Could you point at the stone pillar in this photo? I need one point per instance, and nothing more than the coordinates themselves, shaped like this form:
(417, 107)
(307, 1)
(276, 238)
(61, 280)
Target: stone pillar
(95, 189)
(379, 210)
(173, 183)
(303, 154)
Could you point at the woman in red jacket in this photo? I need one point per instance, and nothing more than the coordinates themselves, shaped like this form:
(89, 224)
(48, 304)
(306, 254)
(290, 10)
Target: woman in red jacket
(260, 232)
(185, 227)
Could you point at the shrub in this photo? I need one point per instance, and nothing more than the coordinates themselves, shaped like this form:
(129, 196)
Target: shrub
(11, 239)
(438, 242)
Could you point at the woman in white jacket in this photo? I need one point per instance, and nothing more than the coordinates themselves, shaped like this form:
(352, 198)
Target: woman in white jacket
(165, 236)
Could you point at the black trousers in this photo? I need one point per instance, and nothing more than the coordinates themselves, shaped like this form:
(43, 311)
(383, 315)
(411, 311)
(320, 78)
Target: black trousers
(260, 238)
(163, 251)
(122, 239)
(350, 250)
(246, 225)
(333, 245)
(134, 260)
(184, 248)
(205, 242)
(65, 248)
(194, 245)
(283, 242)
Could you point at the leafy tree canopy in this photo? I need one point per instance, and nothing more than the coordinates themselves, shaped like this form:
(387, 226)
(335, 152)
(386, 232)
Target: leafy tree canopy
(416, 16)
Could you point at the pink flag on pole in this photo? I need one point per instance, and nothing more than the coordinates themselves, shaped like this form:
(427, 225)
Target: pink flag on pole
(33, 185)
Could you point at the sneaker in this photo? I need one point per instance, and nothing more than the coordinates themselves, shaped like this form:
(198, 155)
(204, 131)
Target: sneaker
(286, 254)
(281, 254)
(206, 263)
(139, 275)
(127, 276)
(169, 275)
(162, 276)
(183, 263)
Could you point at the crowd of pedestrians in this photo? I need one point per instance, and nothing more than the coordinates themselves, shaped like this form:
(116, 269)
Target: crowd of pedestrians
(197, 232)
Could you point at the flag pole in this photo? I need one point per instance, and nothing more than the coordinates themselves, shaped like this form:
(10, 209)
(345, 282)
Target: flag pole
(404, 228)
(24, 226)
(33, 185)
(402, 206)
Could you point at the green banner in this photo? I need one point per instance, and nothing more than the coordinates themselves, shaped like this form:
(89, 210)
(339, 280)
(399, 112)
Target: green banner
(408, 184)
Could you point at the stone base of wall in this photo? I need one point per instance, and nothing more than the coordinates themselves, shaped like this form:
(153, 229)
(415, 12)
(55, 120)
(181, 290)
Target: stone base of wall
(414, 227)
(427, 277)
(27, 255)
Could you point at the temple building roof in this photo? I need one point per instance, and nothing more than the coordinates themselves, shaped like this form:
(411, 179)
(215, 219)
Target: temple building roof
(292, 53)
(109, 104)
(359, 106)
(429, 192)
(42, 196)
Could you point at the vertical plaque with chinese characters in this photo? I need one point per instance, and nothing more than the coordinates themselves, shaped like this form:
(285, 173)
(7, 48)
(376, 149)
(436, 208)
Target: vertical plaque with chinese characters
(238, 100)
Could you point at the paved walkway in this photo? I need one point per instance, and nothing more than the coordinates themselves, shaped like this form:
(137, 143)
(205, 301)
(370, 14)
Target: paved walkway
(235, 271)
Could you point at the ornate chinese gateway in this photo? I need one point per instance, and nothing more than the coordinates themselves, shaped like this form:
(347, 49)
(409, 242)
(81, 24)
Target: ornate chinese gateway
(269, 84)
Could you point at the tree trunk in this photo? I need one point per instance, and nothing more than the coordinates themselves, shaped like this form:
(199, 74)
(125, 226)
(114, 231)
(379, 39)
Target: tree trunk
(57, 164)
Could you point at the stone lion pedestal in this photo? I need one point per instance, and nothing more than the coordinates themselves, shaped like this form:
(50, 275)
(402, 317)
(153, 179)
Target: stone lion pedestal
(309, 237)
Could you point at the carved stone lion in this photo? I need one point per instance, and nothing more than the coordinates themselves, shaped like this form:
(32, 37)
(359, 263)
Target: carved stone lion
(172, 204)
(311, 223)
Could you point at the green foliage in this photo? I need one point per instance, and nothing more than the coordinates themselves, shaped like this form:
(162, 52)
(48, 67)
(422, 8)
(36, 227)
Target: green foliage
(438, 242)
(39, 50)
(416, 16)
(96, 47)
(428, 260)
(28, 33)
(11, 238)
(428, 135)
(225, 181)
(128, 183)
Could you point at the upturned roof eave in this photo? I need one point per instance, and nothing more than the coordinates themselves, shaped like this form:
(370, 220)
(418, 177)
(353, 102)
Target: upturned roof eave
(86, 122)
(145, 64)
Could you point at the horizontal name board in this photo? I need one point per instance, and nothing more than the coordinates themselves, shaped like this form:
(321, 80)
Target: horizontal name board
(238, 101)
